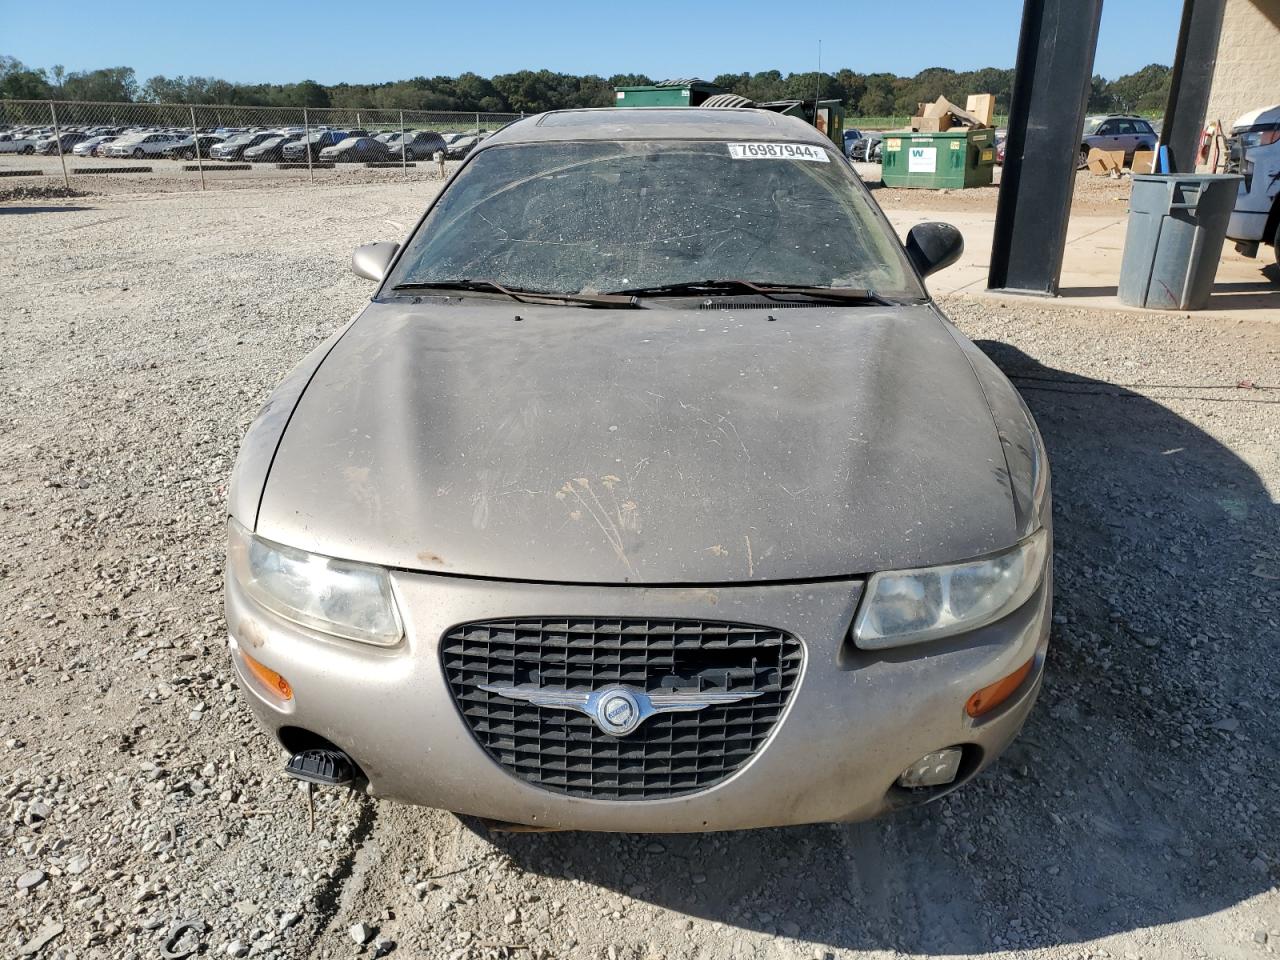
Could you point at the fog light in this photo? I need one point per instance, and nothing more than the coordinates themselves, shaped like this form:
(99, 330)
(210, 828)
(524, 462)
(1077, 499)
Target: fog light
(932, 770)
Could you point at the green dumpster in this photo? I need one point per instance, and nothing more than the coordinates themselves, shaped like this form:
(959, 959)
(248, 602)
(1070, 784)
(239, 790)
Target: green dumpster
(950, 160)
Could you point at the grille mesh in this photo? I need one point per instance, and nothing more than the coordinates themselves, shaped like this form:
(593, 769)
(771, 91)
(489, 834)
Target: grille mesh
(669, 754)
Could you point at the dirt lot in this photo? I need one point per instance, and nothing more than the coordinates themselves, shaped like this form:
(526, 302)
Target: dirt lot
(1137, 816)
(1092, 196)
(173, 175)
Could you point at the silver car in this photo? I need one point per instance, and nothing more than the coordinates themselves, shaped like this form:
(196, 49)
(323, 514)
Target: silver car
(650, 491)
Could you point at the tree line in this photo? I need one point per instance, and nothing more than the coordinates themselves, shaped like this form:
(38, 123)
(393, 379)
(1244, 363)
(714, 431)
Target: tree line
(532, 91)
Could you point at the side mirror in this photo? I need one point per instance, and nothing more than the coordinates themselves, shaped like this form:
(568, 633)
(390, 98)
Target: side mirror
(372, 259)
(932, 246)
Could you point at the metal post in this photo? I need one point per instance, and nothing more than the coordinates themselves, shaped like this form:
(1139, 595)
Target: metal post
(1190, 82)
(477, 123)
(57, 137)
(195, 139)
(306, 139)
(404, 154)
(1051, 85)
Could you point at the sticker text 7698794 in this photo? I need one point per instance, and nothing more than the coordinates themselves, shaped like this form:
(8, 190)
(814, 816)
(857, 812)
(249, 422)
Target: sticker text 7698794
(778, 151)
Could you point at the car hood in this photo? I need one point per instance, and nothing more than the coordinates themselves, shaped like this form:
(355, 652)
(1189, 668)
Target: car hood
(487, 438)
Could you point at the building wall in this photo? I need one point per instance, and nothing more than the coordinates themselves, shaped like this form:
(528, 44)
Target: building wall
(1247, 75)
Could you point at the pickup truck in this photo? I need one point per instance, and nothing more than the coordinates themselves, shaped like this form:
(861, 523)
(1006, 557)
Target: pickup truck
(1253, 151)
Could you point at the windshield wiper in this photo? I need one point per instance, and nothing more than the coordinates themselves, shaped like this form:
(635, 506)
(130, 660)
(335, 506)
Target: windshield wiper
(613, 300)
(774, 291)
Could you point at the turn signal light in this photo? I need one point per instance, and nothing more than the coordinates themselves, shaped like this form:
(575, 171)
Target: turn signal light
(990, 697)
(273, 681)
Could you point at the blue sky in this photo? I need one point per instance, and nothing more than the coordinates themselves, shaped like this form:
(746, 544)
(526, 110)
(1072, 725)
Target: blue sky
(389, 40)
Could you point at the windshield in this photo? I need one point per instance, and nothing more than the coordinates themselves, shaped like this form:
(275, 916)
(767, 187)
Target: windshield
(589, 216)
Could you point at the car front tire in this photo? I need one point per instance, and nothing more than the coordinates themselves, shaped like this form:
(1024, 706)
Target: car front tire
(137, 153)
(28, 149)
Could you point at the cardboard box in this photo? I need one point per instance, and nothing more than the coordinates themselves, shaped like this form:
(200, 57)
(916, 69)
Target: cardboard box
(982, 106)
(936, 110)
(1103, 162)
(931, 124)
(1143, 161)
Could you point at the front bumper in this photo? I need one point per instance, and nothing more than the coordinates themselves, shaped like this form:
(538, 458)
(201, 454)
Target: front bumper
(856, 719)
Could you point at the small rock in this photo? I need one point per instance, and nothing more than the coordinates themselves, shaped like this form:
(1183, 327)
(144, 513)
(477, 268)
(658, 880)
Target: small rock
(77, 865)
(288, 920)
(38, 811)
(32, 879)
(43, 936)
(1260, 937)
(1226, 724)
(361, 933)
(383, 947)
(237, 948)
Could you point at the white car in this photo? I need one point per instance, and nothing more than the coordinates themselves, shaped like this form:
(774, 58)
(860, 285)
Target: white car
(141, 145)
(16, 143)
(1255, 154)
(92, 147)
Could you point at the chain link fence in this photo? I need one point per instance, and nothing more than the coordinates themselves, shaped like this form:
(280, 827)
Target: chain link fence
(123, 147)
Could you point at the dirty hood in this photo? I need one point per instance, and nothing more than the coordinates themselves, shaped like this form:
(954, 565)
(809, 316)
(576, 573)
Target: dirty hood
(486, 438)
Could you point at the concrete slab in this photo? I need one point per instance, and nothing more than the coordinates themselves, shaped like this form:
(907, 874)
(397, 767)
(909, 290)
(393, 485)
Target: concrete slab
(1091, 266)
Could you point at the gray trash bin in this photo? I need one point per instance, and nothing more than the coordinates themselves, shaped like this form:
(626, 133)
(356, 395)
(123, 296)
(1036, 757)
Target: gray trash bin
(1177, 223)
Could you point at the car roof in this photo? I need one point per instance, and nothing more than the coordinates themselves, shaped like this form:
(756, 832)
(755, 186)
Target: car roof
(657, 123)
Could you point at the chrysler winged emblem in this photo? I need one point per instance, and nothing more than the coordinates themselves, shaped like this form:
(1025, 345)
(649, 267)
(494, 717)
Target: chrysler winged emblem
(617, 709)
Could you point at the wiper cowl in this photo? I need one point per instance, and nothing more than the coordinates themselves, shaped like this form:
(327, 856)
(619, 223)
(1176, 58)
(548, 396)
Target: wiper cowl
(773, 291)
(608, 300)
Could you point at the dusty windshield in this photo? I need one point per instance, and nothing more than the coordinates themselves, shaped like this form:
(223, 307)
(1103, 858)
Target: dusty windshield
(591, 216)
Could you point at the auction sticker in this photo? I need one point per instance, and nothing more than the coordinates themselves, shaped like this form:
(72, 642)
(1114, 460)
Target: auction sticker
(777, 151)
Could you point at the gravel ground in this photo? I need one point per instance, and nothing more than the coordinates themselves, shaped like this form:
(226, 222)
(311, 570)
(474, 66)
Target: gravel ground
(1093, 195)
(1137, 815)
(171, 176)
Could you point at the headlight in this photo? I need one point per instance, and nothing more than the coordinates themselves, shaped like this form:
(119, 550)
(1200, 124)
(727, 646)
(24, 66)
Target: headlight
(910, 606)
(346, 599)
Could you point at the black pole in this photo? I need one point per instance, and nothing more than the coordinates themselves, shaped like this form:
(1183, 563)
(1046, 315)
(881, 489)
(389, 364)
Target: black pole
(1051, 87)
(1190, 82)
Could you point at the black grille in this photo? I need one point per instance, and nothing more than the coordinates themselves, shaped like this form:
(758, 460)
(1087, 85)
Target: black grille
(669, 754)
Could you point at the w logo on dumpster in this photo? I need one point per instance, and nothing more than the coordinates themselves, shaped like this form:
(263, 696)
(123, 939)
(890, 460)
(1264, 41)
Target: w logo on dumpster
(922, 160)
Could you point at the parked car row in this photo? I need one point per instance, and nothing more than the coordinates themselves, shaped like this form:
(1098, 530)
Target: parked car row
(256, 145)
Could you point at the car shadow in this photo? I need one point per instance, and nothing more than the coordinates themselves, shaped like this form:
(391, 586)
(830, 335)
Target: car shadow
(1132, 798)
(42, 209)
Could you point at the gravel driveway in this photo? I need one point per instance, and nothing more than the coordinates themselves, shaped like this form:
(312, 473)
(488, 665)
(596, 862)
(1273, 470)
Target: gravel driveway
(1137, 816)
